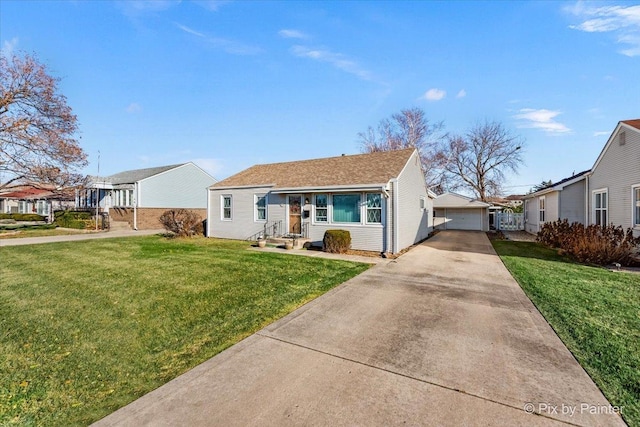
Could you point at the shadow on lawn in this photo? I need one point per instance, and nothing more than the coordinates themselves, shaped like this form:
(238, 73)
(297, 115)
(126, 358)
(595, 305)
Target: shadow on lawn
(529, 250)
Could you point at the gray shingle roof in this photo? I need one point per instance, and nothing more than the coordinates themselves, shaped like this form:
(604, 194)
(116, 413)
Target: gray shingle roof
(359, 169)
(129, 177)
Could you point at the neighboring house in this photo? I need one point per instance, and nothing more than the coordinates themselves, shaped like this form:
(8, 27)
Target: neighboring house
(140, 196)
(457, 212)
(380, 198)
(562, 200)
(30, 199)
(614, 181)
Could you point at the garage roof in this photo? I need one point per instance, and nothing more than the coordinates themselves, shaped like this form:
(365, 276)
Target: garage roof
(453, 200)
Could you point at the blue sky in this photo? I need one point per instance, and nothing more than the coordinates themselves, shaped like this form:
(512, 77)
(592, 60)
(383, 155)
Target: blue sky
(232, 84)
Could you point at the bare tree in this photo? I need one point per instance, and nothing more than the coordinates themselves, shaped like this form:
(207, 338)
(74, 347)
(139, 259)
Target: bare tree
(37, 127)
(407, 129)
(479, 160)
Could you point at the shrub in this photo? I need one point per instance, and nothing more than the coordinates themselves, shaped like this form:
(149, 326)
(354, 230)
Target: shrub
(182, 222)
(19, 226)
(336, 241)
(80, 220)
(593, 244)
(23, 217)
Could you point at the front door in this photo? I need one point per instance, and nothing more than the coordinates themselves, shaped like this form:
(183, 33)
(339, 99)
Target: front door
(295, 214)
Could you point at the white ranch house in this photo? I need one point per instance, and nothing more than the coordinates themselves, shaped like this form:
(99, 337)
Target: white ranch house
(380, 198)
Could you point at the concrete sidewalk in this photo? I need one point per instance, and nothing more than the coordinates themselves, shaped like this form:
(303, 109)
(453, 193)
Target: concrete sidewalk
(76, 237)
(442, 336)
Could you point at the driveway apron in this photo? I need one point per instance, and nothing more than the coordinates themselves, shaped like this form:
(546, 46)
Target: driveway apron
(441, 336)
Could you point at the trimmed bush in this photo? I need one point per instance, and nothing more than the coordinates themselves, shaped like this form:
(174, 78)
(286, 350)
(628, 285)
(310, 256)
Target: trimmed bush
(23, 217)
(336, 241)
(19, 226)
(593, 244)
(80, 220)
(182, 222)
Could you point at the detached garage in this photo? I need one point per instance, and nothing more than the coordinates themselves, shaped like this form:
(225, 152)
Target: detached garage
(456, 212)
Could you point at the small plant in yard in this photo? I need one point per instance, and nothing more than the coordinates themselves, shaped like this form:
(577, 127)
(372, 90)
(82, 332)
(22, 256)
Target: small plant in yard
(336, 241)
(594, 244)
(182, 222)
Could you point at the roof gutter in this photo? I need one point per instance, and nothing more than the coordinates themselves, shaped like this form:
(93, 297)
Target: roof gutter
(332, 188)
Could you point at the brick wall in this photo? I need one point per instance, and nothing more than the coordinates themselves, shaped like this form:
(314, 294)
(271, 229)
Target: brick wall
(148, 218)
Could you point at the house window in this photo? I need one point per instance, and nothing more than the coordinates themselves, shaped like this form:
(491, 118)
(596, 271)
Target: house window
(261, 207)
(346, 208)
(374, 208)
(636, 205)
(226, 208)
(321, 208)
(541, 209)
(600, 208)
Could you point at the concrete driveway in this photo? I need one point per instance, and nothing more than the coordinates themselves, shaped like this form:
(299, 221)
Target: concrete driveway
(442, 336)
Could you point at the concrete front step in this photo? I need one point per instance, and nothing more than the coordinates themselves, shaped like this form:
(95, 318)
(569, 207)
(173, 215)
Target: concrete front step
(119, 225)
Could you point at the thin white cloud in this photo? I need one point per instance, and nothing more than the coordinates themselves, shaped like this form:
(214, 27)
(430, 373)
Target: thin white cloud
(541, 119)
(337, 60)
(461, 94)
(435, 94)
(133, 108)
(190, 30)
(601, 133)
(292, 34)
(133, 8)
(230, 46)
(9, 46)
(213, 166)
(622, 21)
(212, 5)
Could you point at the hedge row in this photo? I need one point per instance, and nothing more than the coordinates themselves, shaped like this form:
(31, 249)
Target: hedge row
(22, 217)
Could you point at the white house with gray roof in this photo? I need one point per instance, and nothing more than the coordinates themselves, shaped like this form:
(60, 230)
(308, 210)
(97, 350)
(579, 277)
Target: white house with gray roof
(608, 193)
(380, 198)
(140, 196)
(563, 200)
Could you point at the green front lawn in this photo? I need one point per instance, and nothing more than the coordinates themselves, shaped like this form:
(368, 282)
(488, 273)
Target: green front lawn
(595, 312)
(87, 327)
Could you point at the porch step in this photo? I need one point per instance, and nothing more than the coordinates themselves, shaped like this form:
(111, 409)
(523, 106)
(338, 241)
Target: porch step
(280, 241)
(119, 225)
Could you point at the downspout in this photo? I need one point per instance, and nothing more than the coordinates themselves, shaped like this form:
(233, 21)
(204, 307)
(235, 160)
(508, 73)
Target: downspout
(586, 201)
(387, 234)
(208, 211)
(395, 215)
(135, 207)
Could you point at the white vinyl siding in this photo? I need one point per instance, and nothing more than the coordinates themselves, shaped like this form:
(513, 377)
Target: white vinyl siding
(572, 202)
(617, 170)
(413, 222)
(183, 187)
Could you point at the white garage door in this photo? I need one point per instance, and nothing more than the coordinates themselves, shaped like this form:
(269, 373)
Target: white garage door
(464, 219)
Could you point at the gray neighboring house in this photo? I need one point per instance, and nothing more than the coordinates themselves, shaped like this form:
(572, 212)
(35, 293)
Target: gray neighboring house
(614, 181)
(138, 197)
(457, 212)
(380, 198)
(562, 200)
